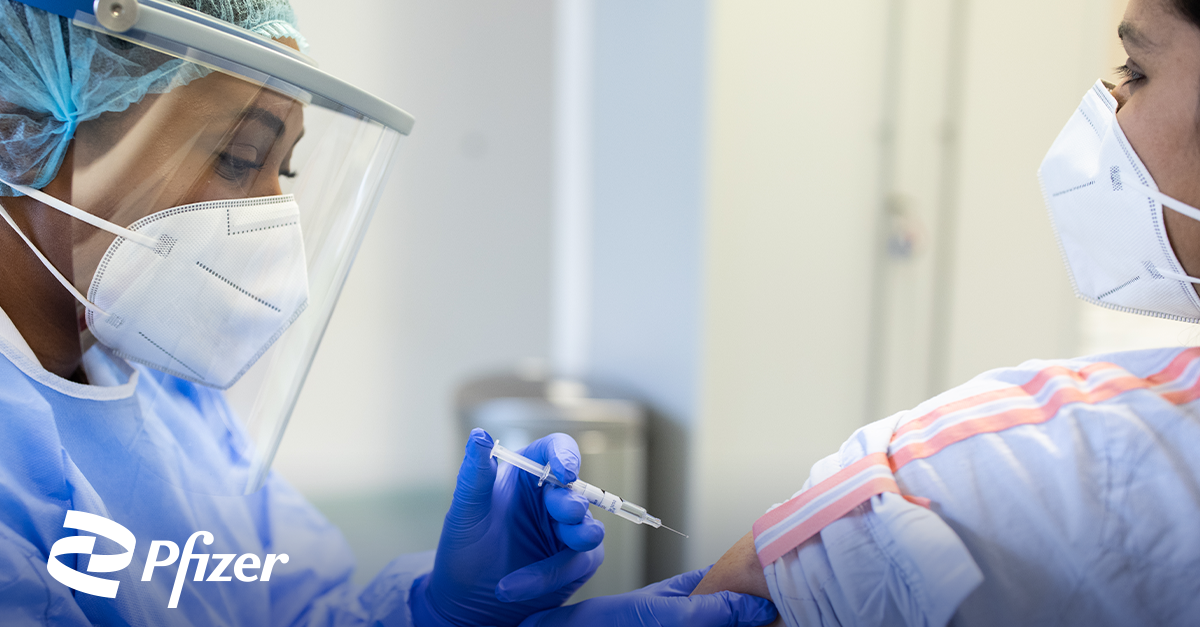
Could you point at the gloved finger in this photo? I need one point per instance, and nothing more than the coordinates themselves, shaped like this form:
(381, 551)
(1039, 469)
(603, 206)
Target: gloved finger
(476, 477)
(564, 505)
(677, 586)
(723, 609)
(541, 578)
(560, 451)
(585, 536)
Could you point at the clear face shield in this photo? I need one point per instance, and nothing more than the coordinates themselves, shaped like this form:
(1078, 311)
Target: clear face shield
(223, 212)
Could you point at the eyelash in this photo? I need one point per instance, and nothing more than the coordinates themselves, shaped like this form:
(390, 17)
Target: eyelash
(233, 168)
(241, 166)
(1129, 74)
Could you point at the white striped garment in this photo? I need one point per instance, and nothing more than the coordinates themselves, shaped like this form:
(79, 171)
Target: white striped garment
(1062, 492)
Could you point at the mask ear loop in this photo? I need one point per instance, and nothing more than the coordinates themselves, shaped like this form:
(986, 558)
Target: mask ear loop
(1178, 207)
(80, 215)
(83, 216)
(1169, 202)
(1167, 274)
(49, 266)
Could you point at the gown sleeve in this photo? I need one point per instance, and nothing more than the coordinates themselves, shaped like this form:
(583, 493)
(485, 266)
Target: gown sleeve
(28, 596)
(315, 589)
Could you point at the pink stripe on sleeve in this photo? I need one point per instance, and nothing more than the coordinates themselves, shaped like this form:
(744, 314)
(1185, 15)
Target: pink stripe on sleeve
(775, 516)
(785, 532)
(1012, 418)
(813, 525)
(1030, 388)
(1175, 368)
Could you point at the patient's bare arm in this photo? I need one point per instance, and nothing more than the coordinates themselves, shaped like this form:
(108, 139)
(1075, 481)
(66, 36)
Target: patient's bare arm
(738, 571)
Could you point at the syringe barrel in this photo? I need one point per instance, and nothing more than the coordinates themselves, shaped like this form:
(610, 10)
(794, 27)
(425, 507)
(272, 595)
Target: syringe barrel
(604, 500)
(612, 503)
(541, 471)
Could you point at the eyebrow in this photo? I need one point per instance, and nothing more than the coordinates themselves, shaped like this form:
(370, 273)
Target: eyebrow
(266, 118)
(1130, 35)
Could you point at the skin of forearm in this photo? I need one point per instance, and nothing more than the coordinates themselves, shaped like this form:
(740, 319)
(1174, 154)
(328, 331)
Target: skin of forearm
(738, 571)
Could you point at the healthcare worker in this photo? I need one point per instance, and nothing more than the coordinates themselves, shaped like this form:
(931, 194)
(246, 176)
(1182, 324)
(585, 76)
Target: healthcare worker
(1056, 492)
(182, 193)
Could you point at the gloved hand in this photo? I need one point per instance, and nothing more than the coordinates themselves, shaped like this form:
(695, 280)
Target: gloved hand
(509, 548)
(664, 604)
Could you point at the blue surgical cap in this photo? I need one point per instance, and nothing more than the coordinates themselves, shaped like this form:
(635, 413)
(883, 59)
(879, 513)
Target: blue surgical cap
(54, 75)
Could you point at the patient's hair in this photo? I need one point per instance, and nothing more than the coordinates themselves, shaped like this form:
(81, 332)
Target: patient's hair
(1189, 9)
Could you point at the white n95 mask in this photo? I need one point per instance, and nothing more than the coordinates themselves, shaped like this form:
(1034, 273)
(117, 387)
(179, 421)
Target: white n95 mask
(199, 291)
(1108, 217)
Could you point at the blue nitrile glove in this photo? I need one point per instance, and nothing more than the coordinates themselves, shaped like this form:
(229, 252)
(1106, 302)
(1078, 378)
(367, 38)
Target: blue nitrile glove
(509, 548)
(664, 604)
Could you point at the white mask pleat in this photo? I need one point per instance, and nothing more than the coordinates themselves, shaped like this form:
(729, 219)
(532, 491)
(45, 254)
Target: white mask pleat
(1108, 217)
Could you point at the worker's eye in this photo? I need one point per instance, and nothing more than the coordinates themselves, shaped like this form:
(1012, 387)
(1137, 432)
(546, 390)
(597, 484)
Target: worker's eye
(236, 164)
(1130, 72)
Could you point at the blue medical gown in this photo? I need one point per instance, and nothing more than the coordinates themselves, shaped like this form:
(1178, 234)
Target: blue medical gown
(120, 450)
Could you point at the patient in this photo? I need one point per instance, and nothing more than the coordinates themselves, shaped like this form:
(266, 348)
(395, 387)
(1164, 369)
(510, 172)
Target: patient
(1056, 492)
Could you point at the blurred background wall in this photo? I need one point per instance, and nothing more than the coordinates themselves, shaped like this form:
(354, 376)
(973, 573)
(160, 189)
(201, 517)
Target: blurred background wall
(454, 275)
(772, 222)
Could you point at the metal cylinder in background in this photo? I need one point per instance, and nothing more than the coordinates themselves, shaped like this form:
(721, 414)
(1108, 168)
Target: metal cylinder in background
(612, 440)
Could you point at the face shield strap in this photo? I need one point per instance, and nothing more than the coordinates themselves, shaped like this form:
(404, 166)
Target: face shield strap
(78, 214)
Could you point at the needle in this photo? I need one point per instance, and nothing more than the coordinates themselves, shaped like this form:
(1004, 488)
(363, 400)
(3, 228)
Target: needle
(672, 530)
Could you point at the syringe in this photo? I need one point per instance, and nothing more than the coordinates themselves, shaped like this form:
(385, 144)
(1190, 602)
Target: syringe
(604, 500)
